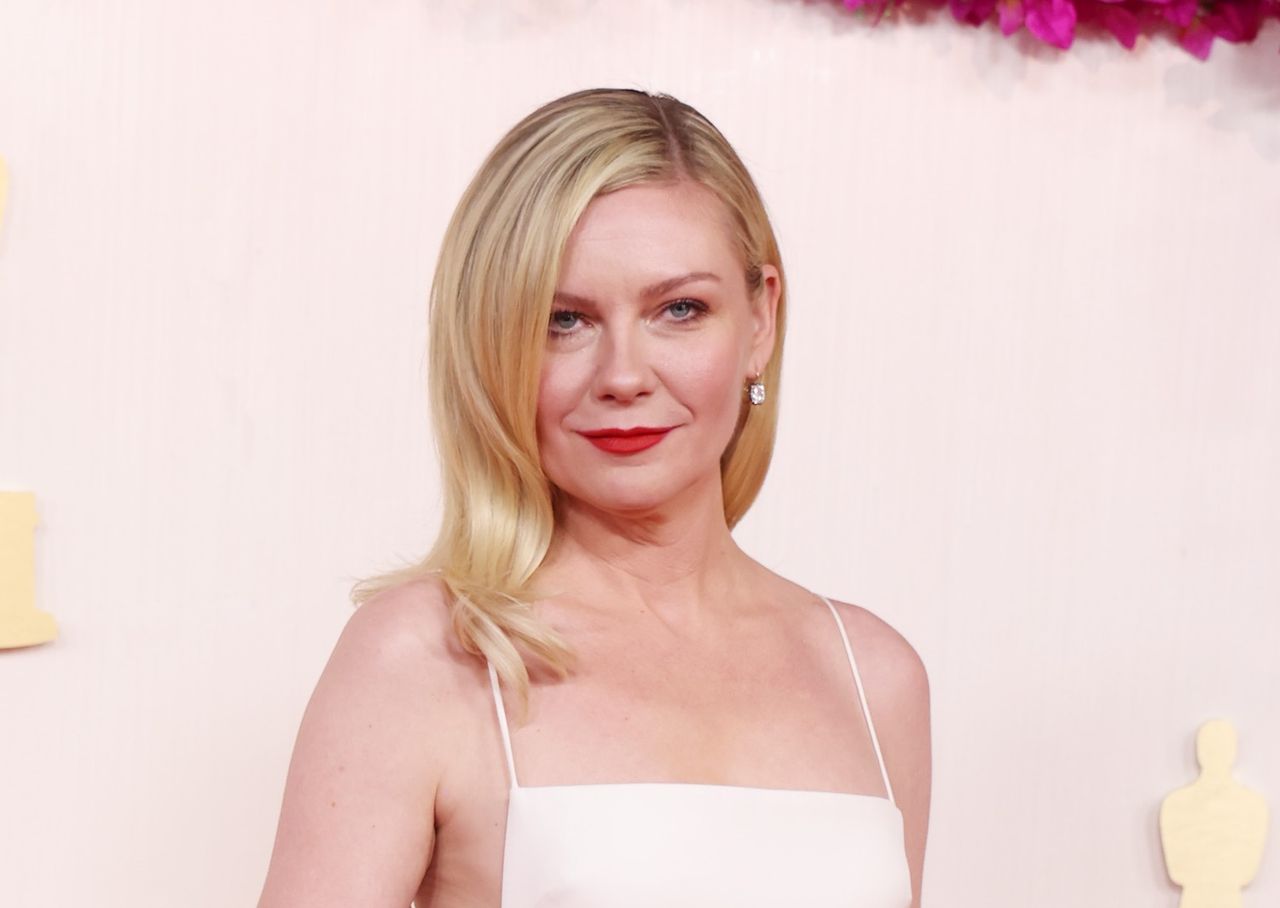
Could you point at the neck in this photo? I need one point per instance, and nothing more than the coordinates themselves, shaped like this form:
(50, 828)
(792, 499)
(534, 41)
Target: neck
(678, 561)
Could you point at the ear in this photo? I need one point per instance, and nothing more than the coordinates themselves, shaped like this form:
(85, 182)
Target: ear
(764, 317)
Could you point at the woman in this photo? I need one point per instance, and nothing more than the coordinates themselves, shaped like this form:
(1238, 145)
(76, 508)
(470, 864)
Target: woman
(681, 725)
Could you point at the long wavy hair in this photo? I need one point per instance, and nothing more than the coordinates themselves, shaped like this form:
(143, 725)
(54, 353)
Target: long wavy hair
(490, 302)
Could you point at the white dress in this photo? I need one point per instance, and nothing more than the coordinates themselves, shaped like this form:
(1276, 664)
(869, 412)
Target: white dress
(676, 844)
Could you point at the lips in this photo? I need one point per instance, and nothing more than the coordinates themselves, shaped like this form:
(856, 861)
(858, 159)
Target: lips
(627, 441)
(634, 430)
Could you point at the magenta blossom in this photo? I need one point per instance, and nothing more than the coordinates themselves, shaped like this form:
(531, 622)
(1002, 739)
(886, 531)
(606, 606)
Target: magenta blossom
(1052, 21)
(1194, 23)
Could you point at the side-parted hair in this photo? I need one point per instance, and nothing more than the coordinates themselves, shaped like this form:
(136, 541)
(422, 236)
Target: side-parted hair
(490, 302)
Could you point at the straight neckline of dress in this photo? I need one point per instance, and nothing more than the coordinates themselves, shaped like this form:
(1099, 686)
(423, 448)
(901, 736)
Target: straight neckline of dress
(711, 786)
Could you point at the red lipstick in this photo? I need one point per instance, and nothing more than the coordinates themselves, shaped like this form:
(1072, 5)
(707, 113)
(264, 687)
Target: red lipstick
(627, 441)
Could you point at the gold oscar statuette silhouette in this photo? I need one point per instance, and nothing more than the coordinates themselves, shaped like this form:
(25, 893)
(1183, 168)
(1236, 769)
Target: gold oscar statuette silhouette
(21, 624)
(1213, 830)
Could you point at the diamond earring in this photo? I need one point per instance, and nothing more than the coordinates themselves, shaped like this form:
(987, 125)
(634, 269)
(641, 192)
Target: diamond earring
(756, 391)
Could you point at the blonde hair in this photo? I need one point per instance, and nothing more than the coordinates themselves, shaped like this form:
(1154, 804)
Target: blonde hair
(490, 303)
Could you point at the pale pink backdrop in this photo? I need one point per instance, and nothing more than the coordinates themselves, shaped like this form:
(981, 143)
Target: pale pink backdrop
(1031, 408)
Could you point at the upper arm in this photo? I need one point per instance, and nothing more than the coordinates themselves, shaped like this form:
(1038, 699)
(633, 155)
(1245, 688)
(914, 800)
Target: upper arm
(357, 823)
(897, 690)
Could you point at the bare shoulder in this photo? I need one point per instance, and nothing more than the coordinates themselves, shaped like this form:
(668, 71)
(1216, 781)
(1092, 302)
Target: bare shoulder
(883, 653)
(409, 621)
(896, 685)
(368, 759)
(399, 647)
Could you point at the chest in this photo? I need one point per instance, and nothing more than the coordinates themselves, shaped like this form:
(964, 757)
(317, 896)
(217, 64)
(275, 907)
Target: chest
(767, 735)
(771, 706)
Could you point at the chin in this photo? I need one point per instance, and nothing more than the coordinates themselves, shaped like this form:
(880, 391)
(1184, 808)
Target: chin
(630, 503)
(632, 498)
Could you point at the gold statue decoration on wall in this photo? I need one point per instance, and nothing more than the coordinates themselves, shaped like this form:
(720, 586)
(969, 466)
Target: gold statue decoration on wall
(1213, 830)
(21, 623)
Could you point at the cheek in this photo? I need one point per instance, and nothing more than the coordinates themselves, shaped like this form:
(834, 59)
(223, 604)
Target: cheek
(708, 382)
(559, 390)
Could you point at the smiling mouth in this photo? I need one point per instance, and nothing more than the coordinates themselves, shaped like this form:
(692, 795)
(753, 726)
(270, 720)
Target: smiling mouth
(634, 430)
(626, 441)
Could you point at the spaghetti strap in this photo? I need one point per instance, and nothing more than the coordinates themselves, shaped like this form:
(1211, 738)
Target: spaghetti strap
(502, 723)
(862, 697)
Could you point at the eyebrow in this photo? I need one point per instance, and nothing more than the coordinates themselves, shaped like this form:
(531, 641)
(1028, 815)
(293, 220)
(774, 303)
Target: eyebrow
(661, 287)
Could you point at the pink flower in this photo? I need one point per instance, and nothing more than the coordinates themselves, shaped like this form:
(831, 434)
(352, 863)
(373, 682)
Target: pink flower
(1120, 22)
(1236, 22)
(1180, 12)
(1052, 21)
(973, 12)
(1010, 15)
(1196, 22)
(876, 6)
(1197, 39)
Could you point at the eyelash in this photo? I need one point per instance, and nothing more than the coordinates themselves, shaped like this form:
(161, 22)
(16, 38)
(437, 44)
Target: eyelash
(699, 309)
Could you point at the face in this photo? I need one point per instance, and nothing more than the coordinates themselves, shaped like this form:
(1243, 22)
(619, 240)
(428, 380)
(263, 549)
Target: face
(652, 326)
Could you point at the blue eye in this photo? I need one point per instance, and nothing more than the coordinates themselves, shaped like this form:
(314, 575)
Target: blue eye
(695, 310)
(557, 320)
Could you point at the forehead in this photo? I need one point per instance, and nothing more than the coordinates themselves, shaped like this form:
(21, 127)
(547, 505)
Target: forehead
(664, 226)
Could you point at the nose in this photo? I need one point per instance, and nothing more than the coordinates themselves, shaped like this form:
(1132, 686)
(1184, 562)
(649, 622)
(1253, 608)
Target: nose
(623, 371)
